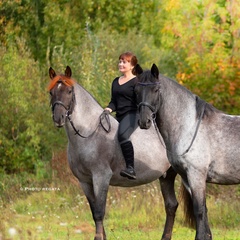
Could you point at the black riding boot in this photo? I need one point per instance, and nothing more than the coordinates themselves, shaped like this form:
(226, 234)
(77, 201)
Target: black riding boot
(128, 153)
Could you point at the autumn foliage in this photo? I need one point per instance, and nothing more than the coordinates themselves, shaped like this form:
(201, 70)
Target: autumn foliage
(195, 42)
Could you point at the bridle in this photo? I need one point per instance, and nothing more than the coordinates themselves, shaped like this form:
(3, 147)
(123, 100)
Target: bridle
(154, 111)
(68, 109)
(104, 115)
(59, 103)
(146, 104)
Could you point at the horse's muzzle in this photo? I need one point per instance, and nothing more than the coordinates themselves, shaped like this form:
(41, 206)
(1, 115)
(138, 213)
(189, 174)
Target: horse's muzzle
(145, 124)
(59, 117)
(59, 125)
(147, 114)
(59, 122)
(59, 113)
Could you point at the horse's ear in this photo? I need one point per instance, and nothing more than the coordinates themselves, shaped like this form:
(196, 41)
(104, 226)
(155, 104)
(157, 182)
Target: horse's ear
(155, 71)
(137, 70)
(52, 73)
(68, 72)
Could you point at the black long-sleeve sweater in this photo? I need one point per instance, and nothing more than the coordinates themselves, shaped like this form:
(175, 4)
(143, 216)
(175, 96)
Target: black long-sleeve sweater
(123, 99)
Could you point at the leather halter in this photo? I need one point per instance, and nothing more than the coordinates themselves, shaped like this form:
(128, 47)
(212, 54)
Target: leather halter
(104, 115)
(71, 106)
(152, 108)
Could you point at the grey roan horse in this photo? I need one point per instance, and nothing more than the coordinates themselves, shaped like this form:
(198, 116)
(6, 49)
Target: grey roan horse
(203, 143)
(94, 154)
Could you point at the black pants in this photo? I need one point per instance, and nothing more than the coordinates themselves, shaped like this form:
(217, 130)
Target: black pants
(127, 125)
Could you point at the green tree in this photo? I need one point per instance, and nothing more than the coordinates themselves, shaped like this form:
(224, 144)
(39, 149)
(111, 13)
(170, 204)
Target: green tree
(24, 115)
(196, 42)
(62, 24)
(204, 35)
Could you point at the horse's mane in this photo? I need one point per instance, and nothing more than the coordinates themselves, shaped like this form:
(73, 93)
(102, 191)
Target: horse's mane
(209, 109)
(60, 78)
(146, 76)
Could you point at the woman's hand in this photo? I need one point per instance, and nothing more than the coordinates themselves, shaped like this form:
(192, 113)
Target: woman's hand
(108, 109)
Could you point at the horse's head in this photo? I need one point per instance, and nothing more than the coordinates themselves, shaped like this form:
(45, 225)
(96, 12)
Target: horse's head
(148, 91)
(62, 95)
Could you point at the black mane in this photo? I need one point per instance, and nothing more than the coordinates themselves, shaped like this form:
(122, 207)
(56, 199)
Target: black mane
(209, 109)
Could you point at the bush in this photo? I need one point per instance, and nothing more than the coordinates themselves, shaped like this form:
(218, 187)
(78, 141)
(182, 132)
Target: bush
(25, 138)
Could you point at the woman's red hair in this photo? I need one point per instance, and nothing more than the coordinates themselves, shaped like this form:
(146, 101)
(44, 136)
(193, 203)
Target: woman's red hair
(130, 57)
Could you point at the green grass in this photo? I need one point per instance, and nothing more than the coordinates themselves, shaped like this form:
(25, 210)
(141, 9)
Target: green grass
(134, 213)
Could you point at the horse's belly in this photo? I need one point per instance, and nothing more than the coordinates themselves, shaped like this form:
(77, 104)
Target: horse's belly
(225, 175)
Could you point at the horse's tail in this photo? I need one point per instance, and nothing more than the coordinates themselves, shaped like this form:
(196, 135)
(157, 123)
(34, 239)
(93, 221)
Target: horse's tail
(187, 207)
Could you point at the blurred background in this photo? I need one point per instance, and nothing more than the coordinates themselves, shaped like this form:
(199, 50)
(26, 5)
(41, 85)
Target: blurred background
(197, 43)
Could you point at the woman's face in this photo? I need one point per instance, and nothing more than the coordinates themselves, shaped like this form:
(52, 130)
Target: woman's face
(124, 66)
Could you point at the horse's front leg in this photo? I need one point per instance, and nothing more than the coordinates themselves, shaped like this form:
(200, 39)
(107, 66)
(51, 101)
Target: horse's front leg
(197, 184)
(170, 202)
(96, 194)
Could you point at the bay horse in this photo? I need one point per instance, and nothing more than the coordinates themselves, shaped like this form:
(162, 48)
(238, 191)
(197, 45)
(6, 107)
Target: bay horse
(95, 156)
(202, 143)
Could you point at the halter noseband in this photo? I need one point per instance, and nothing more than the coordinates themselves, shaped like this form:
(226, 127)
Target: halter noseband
(146, 105)
(58, 103)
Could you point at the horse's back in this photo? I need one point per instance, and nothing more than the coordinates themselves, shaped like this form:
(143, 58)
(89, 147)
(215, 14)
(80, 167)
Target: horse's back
(223, 136)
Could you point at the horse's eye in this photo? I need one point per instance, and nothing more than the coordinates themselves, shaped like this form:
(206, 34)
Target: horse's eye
(70, 91)
(50, 93)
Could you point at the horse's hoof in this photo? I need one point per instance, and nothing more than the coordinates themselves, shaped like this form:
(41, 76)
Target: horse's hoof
(99, 236)
(209, 237)
(166, 237)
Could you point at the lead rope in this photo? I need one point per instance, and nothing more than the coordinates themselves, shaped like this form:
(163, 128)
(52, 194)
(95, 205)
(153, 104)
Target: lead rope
(104, 115)
(194, 136)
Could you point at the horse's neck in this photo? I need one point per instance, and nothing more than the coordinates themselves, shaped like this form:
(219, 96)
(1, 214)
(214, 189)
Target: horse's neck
(86, 111)
(178, 110)
(85, 120)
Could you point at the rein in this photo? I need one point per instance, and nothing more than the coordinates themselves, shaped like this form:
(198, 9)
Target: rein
(104, 115)
(154, 110)
(194, 136)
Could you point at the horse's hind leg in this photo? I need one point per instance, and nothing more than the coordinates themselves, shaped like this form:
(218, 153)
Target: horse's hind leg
(170, 201)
